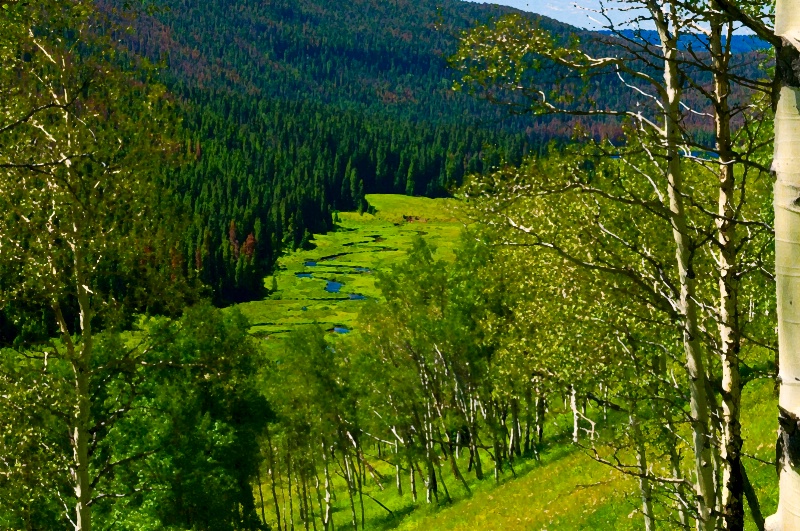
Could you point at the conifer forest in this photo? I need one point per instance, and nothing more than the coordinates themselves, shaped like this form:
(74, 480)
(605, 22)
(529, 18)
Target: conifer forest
(283, 265)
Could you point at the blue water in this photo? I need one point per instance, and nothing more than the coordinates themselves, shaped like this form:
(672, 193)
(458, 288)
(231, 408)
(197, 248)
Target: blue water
(333, 287)
(304, 275)
(362, 270)
(341, 330)
(357, 297)
(311, 263)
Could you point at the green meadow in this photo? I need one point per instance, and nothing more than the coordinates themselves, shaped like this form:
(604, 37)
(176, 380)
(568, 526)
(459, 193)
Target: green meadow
(327, 284)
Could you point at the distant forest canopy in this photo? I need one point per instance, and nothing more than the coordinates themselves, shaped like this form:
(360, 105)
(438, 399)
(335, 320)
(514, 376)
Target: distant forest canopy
(294, 109)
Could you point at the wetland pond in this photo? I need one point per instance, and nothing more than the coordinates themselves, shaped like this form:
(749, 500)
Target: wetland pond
(333, 287)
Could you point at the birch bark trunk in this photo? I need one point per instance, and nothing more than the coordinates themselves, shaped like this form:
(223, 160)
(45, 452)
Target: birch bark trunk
(81, 365)
(573, 406)
(645, 487)
(541, 410)
(328, 486)
(730, 336)
(667, 26)
(787, 259)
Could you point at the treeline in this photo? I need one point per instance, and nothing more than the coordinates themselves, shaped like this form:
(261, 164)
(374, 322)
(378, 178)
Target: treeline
(260, 177)
(432, 389)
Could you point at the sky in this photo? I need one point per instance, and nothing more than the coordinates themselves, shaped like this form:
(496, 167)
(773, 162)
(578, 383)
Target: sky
(575, 12)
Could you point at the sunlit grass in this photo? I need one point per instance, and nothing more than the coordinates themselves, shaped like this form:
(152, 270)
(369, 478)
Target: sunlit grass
(565, 490)
(361, 245)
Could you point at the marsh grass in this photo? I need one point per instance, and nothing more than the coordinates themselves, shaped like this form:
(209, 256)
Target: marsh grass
(361, 245)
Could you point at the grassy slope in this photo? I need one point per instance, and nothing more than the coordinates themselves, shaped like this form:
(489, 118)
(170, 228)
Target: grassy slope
(552, 496)
(565, 490)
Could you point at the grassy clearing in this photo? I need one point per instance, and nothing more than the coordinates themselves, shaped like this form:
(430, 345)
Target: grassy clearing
(541, 494)
(565, 490)
(759, 430)
(349, 256)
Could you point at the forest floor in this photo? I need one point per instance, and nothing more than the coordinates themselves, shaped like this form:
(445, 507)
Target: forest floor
(564, 489)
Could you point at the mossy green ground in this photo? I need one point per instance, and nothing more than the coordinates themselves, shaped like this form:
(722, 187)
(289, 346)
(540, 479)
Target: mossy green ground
(361, 245)
(566, 489)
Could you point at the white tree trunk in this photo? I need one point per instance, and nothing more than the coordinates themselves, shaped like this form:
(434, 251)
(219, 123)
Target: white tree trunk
(787, 258)
(573, 406)
(81, 365)
(787, 266)
(645, 487)
(706, 495)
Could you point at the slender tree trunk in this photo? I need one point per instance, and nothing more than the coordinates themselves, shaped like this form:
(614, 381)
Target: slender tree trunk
(320, 502)
(350, 486)
(573, 405)
(310, 503)
(289, 490)
(730, 336)
(752, 501)
(516, 429)
(474, 451)
(80, 438)
(283, 499)
(787, 261)
(360, 473)
(328, 486)
(300, 481)
(398, 480)
(441, 481)
(541, 410)
(261, 495)
(528, 419)
(412, 480)
(677, 471)
(81, 366)
(450, 454)
(645, 487)
(272, 464)
(698, 386)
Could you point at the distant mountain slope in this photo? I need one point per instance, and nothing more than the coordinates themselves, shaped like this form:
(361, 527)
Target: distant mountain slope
(295, 109)
(740, 44)
(386, 56)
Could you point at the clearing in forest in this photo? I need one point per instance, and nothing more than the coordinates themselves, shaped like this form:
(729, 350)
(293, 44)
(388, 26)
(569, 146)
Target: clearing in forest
(328, 283)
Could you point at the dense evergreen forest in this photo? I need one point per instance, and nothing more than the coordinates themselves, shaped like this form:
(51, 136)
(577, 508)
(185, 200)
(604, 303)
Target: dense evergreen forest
(264, 175)
(627, 205)
(293, 110)
(371, 109)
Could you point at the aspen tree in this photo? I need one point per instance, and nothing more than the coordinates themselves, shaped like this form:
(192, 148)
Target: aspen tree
(785, 38)
(787, 260)
(76, 187)
(507, 47)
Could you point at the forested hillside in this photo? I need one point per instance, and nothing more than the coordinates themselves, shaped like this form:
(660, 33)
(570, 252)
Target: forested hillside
(293, 110)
